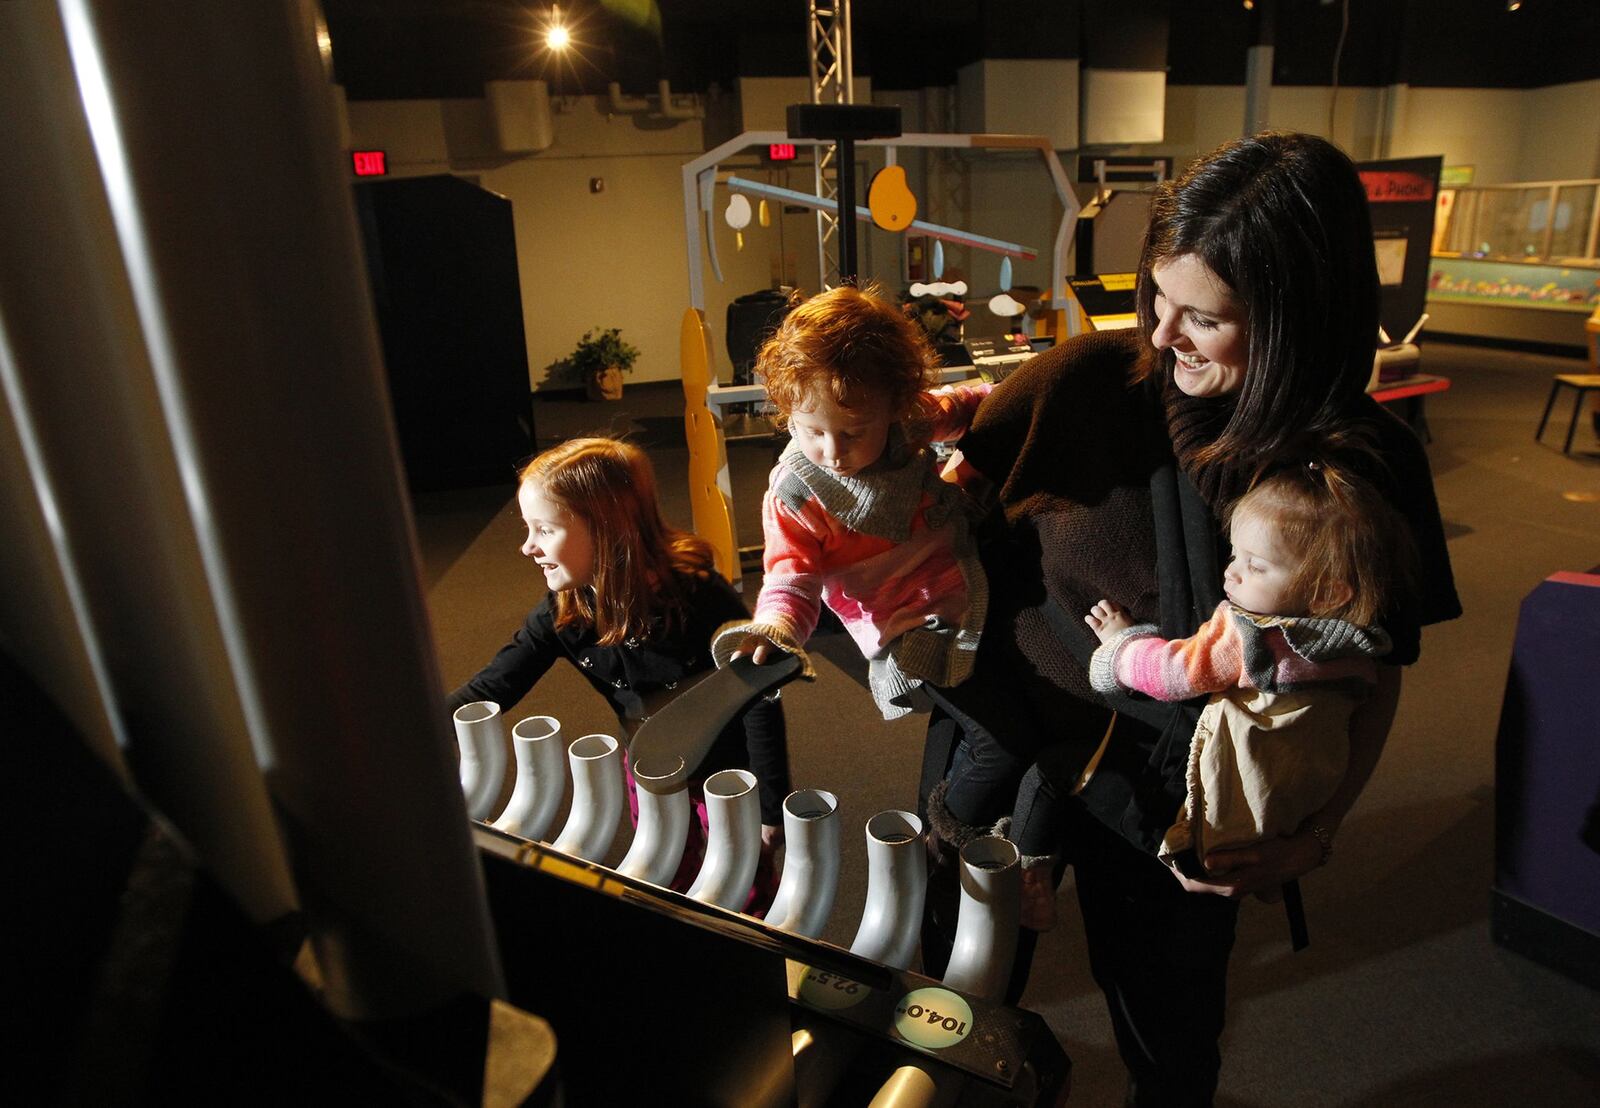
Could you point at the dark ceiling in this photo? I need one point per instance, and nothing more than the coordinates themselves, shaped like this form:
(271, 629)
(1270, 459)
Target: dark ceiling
(439, 49)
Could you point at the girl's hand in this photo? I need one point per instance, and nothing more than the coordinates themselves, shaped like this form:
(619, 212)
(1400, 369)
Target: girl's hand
(760, 649)
(771, 837)
(1260, 868)
(1107, 620)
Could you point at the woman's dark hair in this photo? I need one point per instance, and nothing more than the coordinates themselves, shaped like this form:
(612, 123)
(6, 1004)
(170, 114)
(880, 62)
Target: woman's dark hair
(1282, 219)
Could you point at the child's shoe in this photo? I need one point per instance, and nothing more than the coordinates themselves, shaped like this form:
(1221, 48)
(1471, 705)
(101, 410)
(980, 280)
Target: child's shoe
(1038, 894)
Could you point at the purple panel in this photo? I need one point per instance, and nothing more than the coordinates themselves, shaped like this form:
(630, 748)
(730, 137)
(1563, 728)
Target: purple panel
(1547, 757)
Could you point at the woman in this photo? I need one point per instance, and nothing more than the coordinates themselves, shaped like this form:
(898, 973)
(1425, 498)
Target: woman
(1113, 456)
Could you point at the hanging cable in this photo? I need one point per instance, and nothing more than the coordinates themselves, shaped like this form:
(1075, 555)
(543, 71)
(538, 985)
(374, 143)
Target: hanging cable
(1338, 52)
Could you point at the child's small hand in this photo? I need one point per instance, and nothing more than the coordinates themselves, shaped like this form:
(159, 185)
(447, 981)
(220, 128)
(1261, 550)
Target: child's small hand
(1107, 620)
(759, 648)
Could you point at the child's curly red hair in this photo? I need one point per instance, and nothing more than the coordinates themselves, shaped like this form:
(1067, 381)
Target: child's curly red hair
(853, 344)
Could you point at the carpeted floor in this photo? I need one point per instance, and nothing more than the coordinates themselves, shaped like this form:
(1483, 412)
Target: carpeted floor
(1401, 999)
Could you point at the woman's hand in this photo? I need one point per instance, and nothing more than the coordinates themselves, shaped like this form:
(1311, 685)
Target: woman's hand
(1107, 620)
(1260, 868)
(771, 837)
(760, 650)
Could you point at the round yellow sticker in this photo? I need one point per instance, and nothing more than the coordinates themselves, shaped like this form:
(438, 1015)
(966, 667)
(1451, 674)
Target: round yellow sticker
(932, 1017)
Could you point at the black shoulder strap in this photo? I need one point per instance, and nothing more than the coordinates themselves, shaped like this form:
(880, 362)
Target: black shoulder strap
(1201, 564)
(1173, 581)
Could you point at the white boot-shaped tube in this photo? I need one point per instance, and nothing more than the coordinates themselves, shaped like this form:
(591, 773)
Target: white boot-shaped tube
(597, 798)
(733, 840)
(662, 784)
(481, 734)
(541, 778)
(986, 928)
(810, 863)
(897, 883)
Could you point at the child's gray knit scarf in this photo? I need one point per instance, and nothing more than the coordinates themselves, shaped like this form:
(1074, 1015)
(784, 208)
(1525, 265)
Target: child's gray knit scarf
(882, 501)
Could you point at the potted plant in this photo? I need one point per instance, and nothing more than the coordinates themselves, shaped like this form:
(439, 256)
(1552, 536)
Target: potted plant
(601, 358)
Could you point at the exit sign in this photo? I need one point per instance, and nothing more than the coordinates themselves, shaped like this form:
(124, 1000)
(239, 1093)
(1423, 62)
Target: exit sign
(781, 151)
(368, 163)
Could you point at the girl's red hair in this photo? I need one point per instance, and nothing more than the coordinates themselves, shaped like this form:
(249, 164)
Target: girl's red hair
(850, 343)
(1343, 532)
(639, 561)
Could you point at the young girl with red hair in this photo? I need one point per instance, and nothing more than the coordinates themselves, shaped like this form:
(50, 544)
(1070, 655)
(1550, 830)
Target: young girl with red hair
(632, 603)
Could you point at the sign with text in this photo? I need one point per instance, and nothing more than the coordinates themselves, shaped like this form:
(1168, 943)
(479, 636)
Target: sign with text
(1401, 194)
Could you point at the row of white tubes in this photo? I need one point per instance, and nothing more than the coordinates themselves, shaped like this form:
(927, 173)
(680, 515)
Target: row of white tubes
(986, 929)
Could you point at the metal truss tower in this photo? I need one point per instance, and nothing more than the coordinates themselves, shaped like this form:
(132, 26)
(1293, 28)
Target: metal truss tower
(832, 82)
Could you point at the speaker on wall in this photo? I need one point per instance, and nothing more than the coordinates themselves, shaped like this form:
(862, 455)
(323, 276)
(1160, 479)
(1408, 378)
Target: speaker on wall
(519, 112)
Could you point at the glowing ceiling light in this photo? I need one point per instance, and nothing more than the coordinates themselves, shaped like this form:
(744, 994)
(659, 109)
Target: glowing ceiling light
(556, 35)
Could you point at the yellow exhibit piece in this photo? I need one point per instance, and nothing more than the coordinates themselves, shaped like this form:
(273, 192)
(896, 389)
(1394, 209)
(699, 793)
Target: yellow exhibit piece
(890, 199)
(707, 503)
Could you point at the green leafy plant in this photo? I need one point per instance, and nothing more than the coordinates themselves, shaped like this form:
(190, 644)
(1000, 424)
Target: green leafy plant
(601, 348)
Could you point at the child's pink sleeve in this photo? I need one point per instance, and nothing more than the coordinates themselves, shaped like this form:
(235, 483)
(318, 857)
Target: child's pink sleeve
(791, 582)
(950, 409)
(1211, 660)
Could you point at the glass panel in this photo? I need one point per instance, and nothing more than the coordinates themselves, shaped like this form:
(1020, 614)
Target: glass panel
(1511, 222)
(1461, 236)
(1574, 209)
(1551, 222)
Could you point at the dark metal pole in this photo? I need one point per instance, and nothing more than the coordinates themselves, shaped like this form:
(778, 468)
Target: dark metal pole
(845, 155)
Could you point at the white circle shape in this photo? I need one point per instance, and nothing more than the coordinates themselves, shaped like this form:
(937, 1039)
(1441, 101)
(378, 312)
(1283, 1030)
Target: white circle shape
(1006, 305)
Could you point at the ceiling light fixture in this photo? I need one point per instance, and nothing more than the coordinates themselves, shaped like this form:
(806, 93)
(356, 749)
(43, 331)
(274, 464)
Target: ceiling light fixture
(556, 35)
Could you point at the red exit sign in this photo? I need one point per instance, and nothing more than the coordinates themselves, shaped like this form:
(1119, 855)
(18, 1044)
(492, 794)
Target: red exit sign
(369, 163)
(781, 151)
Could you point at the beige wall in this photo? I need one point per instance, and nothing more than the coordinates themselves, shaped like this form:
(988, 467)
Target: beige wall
(1017, 96)
(1477, 127)
(1560, 132)
(1543, 134)
(618, 257)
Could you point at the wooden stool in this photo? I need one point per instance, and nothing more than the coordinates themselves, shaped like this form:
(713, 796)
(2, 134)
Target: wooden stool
(1580, 383)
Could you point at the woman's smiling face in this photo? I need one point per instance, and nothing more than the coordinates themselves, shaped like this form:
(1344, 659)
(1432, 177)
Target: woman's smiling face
(1203, 323)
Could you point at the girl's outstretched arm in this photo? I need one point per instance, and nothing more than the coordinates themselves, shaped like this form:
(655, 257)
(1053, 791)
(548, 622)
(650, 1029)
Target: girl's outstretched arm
(949, 410)
(790, 601)
(518, 664)
(1211, 660)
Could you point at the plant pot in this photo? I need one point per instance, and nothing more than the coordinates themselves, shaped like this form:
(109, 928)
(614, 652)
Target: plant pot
(605, 384)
